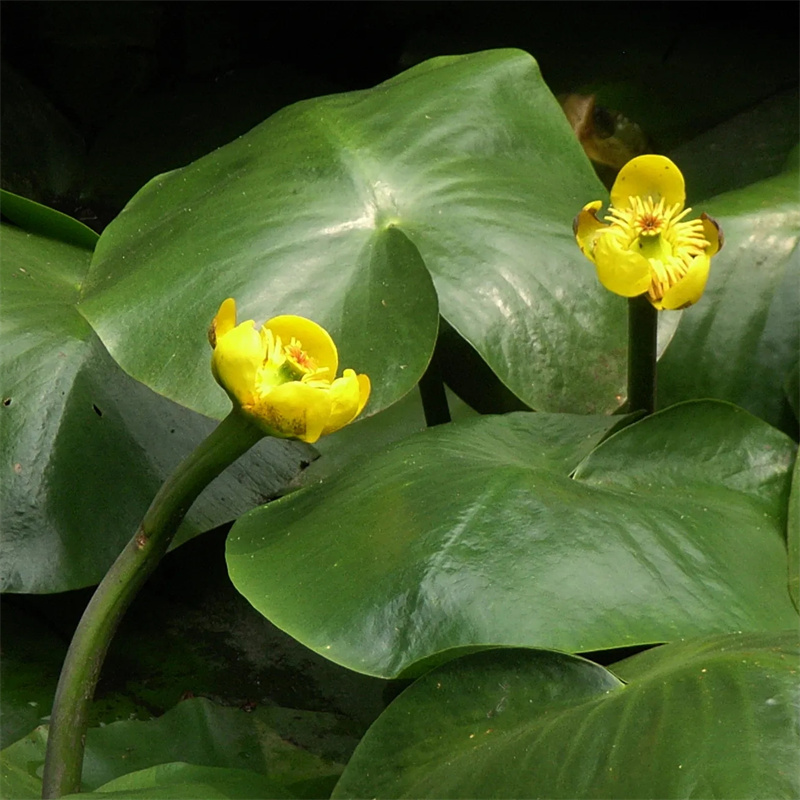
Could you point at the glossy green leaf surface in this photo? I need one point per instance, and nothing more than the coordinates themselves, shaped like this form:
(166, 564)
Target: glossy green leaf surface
(180, 781)
(740, 342)
(274, 742)
(475, 534)
(461, 172)
(701, 718)
(84, 446)
(36, 218)
(355, 442)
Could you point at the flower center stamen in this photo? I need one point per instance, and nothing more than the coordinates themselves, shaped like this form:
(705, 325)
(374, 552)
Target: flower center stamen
(658, 233)
(285, 363)
(651, 225)
(299, 356)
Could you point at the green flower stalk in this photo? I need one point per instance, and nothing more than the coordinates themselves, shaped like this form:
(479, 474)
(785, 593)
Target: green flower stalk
(646, 251)
(282, 382)
(63, 765)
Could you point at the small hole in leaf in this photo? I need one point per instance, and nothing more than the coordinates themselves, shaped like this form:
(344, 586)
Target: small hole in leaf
(97, 410)
(7, 402)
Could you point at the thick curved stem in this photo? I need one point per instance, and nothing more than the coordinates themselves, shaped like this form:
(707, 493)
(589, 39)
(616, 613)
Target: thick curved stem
(63, 764)
(642, 352)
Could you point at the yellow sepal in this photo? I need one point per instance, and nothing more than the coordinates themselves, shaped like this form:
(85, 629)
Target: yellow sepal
(236, 359)
(349, 395)
(293, 410)
(621, 271)
(283, 378)
(649, 176)
(586, 226)
(689, 289)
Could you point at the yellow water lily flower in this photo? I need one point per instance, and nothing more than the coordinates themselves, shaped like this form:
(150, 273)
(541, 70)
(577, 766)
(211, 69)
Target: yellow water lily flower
(283, 377)
(645, 245)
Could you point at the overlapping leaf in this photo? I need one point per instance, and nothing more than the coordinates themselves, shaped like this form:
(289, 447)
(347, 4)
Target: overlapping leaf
(296, 749)
(181, 781)
(740, 342)
(475, 534)
(343, 207)
(84, 446)
(709, 717)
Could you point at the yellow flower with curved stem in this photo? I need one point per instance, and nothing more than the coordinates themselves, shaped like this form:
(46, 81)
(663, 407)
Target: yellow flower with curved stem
(283, 377)
(646, 246)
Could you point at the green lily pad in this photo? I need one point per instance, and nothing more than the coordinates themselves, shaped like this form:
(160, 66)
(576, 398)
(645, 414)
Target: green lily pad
(712, 717)
(189, 781)
(84, 446)
(17, 781)
(739, 343)
(461, 173)
(515, 530)
(296, 749)
(370, 435)
(36, 218)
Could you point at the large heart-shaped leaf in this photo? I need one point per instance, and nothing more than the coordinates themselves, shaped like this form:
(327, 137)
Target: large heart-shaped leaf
(710, 717)
(739, 343)
(475, 534)
(355, 442)
(343, 207)
(85, 447)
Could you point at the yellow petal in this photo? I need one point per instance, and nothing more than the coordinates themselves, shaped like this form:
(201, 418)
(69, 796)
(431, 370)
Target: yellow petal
(293, 410)
(689, 289)
(349, 395)
(226, 317)
(623, 272)
(649, 176)
(712, 233)
(236, 357)
(586, 225)
(314, 339)
(364, 389)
